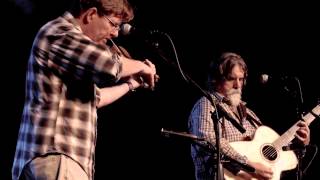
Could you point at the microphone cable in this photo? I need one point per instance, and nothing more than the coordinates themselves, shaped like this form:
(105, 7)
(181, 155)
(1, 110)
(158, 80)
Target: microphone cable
(315, 147)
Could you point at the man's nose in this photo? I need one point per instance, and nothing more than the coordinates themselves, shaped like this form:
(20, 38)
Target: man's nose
(237, 84)
(114, 33)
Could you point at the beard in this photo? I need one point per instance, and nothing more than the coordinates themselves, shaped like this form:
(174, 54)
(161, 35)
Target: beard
(234, 96)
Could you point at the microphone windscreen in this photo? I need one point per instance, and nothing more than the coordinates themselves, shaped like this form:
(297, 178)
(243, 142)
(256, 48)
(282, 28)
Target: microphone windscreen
(126, 29)
(264, 78)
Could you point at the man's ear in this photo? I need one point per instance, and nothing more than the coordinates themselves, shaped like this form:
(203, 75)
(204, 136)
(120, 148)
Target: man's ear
(89, 15)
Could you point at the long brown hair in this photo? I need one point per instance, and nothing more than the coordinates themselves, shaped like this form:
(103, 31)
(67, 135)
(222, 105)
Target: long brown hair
(219, 71)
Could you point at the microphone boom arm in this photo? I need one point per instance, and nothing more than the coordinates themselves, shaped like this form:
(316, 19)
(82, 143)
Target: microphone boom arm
(214, 115)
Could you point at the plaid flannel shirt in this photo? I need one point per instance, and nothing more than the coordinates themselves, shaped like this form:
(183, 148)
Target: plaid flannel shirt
(59, 113)
(201, 125)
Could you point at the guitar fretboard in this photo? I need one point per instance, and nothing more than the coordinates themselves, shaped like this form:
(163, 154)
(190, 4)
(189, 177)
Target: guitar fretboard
(288, 136)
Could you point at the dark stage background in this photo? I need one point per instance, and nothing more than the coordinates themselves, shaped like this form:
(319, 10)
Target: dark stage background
(278, 39)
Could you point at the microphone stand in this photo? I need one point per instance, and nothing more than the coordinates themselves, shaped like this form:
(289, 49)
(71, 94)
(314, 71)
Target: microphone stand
(301, 151)
(214, 115)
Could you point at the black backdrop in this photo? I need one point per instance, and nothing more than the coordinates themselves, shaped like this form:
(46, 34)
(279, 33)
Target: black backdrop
(278, 39)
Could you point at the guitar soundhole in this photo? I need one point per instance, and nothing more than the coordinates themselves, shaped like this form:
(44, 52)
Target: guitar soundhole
(269, 152)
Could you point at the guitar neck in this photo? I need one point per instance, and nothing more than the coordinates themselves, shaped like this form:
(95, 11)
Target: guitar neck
(288, 136)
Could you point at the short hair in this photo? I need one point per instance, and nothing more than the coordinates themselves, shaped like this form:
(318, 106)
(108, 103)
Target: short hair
(219, 71)
(121, 8)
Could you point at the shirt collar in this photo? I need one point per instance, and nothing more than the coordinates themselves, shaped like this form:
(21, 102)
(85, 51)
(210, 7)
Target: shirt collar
(70, 18)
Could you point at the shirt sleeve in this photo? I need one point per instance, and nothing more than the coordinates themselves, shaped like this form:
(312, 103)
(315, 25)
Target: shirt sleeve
(76, 55)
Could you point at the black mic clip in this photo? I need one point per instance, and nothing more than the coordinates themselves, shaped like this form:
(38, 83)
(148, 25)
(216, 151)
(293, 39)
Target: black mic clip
(294, 147)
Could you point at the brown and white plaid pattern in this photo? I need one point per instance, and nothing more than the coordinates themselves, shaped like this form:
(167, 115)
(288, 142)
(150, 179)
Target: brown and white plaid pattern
(201, 125)
(61, 94)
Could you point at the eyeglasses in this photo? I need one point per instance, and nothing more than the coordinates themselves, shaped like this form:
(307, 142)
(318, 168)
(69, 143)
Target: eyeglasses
(114, 25)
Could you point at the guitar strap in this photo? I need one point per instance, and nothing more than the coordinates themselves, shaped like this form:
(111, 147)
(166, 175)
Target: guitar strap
(230, 118)
(253, 119)
(254, 122)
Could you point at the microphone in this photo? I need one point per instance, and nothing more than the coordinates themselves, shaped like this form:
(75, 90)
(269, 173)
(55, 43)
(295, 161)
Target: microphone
(266, 78)
(127, 29)
(167, 133)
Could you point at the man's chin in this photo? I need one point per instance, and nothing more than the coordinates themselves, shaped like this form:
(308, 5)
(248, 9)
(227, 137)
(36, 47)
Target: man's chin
(235, 99)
